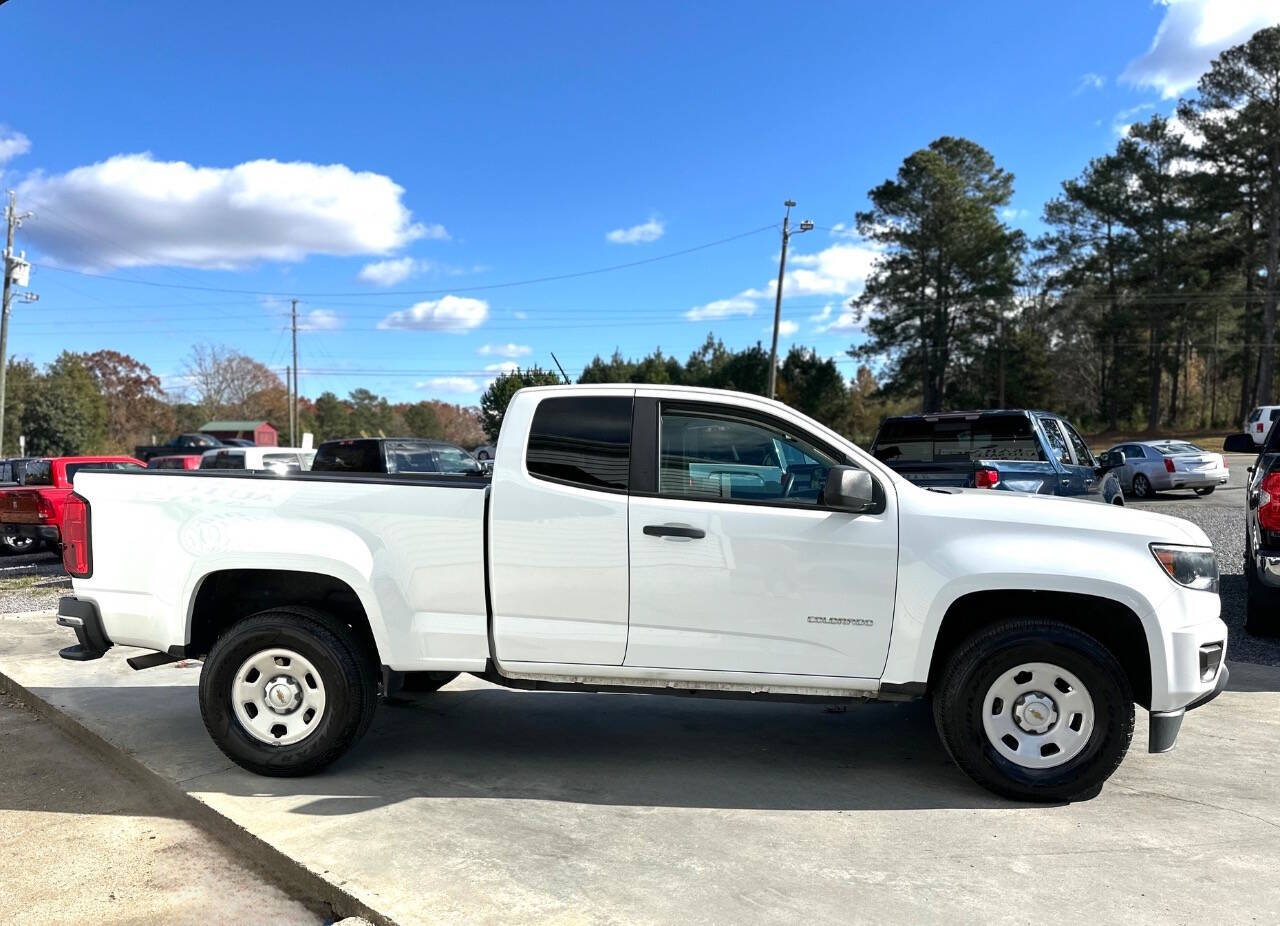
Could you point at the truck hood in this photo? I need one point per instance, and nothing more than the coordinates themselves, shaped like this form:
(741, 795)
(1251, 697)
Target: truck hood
(1067, 513)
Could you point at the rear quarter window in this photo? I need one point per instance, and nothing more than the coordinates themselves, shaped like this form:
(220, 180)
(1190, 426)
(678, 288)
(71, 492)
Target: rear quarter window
(958, 440)
(357, 456)
(584, 441)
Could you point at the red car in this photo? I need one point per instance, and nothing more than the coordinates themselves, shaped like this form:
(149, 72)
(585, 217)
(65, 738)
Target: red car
(184, 461)
(31, 513)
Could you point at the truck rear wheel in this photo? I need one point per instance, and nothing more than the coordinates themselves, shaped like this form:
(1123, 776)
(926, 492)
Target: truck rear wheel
(1035, 710)
(286, 692)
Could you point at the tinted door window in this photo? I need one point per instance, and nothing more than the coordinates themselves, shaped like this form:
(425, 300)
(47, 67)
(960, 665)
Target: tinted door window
(1083, 456)
(223, 459)
(707, 456)
(583, 441)
(1132, 452)
(350, 456)
(1057, 442)
(38, 473)
(453, 460)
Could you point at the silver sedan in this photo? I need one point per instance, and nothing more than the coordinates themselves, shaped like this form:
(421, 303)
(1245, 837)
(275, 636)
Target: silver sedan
(1156, 465)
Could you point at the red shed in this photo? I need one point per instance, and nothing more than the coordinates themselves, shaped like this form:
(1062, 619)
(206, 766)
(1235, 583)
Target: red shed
(260, 432)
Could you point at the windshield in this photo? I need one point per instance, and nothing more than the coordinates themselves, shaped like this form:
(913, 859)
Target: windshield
(957, 440)
(1178, 447)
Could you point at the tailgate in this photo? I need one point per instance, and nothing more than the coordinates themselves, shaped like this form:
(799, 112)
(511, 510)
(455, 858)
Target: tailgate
(937, 475)
(20, 506)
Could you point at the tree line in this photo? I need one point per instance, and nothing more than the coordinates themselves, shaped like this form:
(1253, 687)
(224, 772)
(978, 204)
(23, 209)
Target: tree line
(1150, 301)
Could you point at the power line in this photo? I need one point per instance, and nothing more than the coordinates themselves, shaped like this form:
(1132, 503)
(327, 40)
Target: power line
(418, 292)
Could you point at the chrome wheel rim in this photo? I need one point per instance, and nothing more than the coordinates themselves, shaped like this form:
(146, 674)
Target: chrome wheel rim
(1038, 715)
(1141, 487)
(278, 697)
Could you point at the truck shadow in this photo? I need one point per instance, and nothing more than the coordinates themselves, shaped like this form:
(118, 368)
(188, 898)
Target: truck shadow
(488, 743)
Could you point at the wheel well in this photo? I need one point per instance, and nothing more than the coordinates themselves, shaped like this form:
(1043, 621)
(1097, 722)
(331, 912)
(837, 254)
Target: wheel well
(1110, 622)
(228, 596)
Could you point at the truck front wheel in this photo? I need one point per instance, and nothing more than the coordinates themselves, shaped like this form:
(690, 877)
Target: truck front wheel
(286, 692)
(1035, 710)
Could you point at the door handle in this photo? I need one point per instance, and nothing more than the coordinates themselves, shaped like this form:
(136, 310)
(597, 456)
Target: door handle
(674, 530)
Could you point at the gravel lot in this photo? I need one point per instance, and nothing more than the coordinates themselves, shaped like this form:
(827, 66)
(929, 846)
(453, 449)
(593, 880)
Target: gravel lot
(34, 582)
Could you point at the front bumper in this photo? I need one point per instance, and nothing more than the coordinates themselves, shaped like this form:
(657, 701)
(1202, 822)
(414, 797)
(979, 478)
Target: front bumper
(82, 617)
(1162, 731)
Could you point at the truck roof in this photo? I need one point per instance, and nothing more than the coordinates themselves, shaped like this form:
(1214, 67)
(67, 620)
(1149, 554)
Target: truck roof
(971, 413)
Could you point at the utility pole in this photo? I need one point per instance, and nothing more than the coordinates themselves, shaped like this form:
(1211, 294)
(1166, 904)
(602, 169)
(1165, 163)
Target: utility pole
(16, 271)
(293, 400)
(805, 226)
(288, 391)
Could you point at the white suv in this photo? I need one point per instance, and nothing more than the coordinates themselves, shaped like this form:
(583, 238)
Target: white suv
(1259, 422)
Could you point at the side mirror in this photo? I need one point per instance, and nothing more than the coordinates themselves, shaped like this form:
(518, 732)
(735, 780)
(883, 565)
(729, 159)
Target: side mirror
(1239, 443)
(1111, 459)
(849, 488)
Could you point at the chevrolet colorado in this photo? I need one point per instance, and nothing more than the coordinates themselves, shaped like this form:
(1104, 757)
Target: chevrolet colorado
(662, 540)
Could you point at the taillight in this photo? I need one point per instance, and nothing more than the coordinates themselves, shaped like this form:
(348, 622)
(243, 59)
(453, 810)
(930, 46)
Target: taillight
(1269, 503)
(77, 556)
(1168, 464)
(1259, 427)
(44, 507)
(986, 478)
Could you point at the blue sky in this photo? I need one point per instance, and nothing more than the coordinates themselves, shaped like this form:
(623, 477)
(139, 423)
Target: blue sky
(390, 163)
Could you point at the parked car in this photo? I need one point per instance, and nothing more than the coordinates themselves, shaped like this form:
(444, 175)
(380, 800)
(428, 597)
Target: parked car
(185, 461)
(658, 539)
(34, 509)
(183, 443)
(279, 460)
(1158, 465)
(394, 455)
(1011, 449)
(1261, 533)
(1258, 424)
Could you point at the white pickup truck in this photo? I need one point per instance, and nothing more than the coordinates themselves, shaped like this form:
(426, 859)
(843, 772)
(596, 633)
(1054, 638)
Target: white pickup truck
(662, 540)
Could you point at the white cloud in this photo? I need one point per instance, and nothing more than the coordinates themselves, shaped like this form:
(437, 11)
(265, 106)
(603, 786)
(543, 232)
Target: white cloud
(1090, 81)
(1191, 35)
(838, 270)
(842, 230)
(1122, 121)
(456, 385)
(722, 308)
(507, 366)
(829, 320)
(320, 320)
(1012, 213)
(134, 211)
(390, 272)
(12, 144)
(449, 313)
(643, 233)
(786, 328)
(505, 350)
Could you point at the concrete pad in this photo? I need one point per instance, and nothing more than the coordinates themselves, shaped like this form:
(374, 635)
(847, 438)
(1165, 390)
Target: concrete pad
(482, 805)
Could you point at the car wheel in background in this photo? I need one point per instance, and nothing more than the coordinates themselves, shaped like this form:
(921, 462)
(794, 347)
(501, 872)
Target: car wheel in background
(287, 691)
(15, 544)
(1142, 487)
(1205, 490)
(1034, 709)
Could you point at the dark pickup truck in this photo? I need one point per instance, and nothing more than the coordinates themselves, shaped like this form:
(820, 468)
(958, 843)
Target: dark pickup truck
(1012, 449)
(1261, 532)
(182, 445)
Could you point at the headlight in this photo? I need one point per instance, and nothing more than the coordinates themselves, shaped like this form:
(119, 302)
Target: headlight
(1194, 567)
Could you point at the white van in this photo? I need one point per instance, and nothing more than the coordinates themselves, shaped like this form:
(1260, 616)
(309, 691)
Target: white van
(1259, 422)
(280, 460)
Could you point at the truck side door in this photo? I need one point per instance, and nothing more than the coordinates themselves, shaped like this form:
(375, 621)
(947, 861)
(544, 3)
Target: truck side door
(1059, 454)
(558, 530)
(735, 564)
(1083, 468)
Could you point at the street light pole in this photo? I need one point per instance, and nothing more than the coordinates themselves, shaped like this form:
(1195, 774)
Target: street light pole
(805, 226)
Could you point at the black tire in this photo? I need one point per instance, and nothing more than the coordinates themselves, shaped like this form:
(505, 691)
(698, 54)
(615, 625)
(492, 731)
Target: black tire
(346, 669)
(982, 659)
(1262, 606)
(427, 682)
(1206, 490)
(1142, 487)
(14, 545)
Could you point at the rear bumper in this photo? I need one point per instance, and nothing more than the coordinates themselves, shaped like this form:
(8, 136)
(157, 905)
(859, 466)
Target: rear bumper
(1198, 480)
(82, 617)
